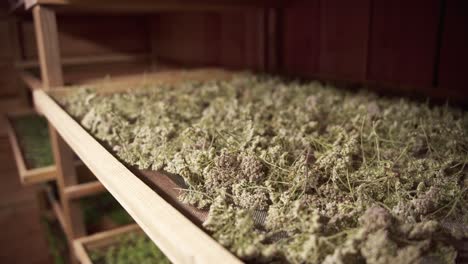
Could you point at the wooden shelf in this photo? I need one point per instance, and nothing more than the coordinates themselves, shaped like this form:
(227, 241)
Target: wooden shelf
(27, 175)
(32, 176)
(104, 239)
(97, 73)
(151, 199)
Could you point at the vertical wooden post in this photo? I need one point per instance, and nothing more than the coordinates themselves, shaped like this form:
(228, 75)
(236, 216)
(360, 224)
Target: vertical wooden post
(45, 24)
(51, 71)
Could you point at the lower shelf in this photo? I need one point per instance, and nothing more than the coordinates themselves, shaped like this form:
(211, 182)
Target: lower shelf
(127, 243)
(27, 146)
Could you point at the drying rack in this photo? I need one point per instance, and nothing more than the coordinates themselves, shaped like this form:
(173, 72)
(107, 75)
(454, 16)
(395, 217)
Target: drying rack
(150, 198)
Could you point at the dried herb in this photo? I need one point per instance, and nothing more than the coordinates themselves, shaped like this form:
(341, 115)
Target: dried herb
(341, 176)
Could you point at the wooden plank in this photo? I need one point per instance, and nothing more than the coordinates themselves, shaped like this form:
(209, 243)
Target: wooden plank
(403, 42)
(300, 39)
(84, 190)
(66, 176)
(191, 39)
(181, 240)
(48, 48)
(51, 70)
(57, 210)
(344, 34)
(87, 60)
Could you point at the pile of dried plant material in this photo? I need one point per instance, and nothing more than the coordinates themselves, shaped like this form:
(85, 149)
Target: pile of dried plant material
(130, 249)
(298, 172)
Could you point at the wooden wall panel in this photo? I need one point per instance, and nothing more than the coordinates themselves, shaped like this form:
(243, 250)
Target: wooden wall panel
(300, 39)
(453, 67)
(94, 35)
(344, 35)
(8, 76)
(230, 39)
(241, 39)
(233, 46)
(5, 43)
(187, 38)
(403, 41)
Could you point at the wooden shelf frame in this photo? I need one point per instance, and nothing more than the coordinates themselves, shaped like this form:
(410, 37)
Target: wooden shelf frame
(179, 238)
(89, 60)
(102, 239)
(27, 175)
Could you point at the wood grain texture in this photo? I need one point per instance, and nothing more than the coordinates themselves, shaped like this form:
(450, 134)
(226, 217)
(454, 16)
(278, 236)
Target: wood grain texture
(52, 76)
(84, 190)
(403, 41)
(94, 35)
(344, 34)
(48, 46)
(191, 39)
(181, 240)
(300, 39)
(453, 67)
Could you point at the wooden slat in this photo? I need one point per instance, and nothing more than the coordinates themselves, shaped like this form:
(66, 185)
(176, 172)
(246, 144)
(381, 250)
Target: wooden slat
(66, 176)
(51, 71)
(86, 60)
(181, 240)
(57, 210)
(84, 190)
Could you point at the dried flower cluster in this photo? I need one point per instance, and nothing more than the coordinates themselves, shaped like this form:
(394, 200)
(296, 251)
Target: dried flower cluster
(303, 173)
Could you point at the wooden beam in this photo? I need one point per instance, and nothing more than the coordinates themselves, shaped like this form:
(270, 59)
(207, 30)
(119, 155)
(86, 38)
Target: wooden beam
(180, 239)
(154, 5)
(45, 24)
(66, 176)
(84, 190)
(51, 71)
(57, 209)
(86, 60)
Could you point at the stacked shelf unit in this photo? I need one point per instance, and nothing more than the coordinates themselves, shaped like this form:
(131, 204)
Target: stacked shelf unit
(149, 197)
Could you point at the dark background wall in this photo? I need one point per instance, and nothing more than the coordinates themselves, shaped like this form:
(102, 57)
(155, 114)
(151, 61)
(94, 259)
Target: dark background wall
(412, 47)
